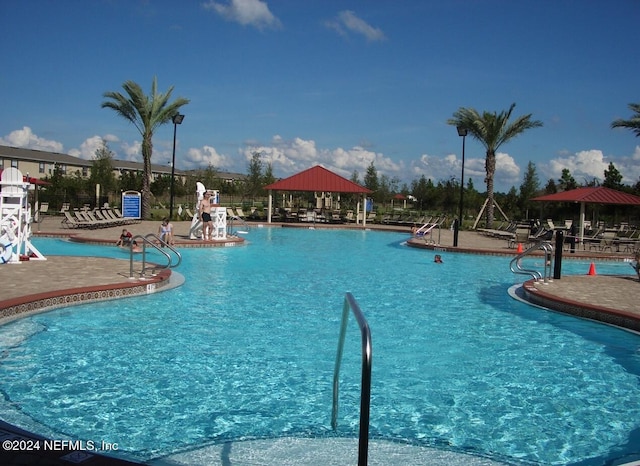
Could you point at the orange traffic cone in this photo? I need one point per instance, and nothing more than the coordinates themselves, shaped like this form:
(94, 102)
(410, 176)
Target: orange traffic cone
(519, 250)
(592, 269)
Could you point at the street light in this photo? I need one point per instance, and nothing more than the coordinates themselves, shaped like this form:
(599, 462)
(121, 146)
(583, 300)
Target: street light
(462, 132)
(177, 120)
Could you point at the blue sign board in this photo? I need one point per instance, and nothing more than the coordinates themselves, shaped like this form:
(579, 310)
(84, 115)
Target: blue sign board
(131, 204)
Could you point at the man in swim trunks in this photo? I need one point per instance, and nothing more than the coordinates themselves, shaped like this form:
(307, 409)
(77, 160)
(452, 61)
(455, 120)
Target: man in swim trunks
(205, 215)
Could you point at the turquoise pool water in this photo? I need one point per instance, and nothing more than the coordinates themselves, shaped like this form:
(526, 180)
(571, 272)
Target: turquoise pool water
(245, 349)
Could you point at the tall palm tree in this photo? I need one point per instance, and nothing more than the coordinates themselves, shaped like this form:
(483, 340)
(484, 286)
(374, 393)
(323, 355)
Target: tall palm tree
(146, 113)
(633, 124)
(492, 130)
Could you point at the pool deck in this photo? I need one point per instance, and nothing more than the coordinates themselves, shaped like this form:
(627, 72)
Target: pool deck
(34, 286)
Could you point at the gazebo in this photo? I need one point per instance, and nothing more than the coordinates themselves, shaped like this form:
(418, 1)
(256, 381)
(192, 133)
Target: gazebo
(318, 179)
(591, 195)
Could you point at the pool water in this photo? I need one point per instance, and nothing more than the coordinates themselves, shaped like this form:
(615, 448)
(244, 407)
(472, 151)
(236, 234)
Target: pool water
(245, 349)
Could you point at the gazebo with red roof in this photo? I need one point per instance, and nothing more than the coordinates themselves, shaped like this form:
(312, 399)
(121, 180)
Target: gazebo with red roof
(590, 195)
(317, 179)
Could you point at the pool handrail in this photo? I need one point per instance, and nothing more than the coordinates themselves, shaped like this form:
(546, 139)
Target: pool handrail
(365, 381)
(238, 219)
(156, 243)
(516, 263)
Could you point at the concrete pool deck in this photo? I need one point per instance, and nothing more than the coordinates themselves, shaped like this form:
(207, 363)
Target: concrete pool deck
(33, 286)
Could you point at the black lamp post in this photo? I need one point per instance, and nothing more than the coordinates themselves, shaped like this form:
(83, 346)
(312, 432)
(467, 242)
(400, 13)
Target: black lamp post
(458, 223)
(177, 120)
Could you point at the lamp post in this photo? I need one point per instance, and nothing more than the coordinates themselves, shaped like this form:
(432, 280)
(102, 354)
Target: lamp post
(462, 132)
(177, 120)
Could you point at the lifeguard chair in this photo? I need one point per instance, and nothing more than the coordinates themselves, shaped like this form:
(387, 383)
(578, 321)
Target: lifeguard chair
(15, 219)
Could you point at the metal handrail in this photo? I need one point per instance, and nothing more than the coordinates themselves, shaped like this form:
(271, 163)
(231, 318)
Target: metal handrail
(516, 264)
(236, 218)
(147, 241)
(365, 381)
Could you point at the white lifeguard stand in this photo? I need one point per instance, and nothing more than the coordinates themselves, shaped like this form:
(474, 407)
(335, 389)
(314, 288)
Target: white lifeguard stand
(15, 219)
(218, 215)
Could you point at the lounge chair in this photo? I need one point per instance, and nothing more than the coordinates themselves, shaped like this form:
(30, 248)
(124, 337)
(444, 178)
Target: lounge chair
(240, 213)
(69, 221)
(522, 236)
(43, 209)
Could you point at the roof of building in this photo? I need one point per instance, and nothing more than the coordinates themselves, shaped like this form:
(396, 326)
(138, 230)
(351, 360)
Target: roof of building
(592, 195)
(318, 179)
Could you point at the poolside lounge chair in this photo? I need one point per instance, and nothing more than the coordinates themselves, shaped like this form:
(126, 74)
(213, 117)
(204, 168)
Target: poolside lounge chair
(69, 221)
(522, 236)
(42, 209)
(240, 213)
(607, 241)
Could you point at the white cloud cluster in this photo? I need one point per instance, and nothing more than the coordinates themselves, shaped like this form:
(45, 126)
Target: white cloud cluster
(450, 166)
(290, 156)
(25, 138)
(202, 158)
(88, 148)
(347, 22)
(584, 165)
(246, 12)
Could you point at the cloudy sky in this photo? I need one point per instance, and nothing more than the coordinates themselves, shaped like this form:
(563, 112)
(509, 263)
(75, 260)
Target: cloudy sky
(339, 83)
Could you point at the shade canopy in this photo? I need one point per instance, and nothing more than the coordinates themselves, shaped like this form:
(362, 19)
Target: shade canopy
(591, 195)
(318, 179)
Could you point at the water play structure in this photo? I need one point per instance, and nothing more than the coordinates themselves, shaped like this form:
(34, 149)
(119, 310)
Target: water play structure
(16, 219)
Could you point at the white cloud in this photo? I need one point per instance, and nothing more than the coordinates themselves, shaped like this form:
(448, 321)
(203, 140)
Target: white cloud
(246, 12)
(25, 138)
(584, 165)
(88, 148)
(132, 151)
(202, 158)
(288, 157)
(347, 21)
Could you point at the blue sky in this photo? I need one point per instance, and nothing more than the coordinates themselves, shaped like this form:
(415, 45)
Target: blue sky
(337, 83)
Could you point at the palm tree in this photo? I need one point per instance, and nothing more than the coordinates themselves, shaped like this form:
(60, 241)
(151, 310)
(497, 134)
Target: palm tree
(633, 124)
(492, 130)
(146, 113)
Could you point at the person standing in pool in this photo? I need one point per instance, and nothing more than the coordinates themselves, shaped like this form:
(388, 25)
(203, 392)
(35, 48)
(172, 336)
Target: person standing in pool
(205, 215)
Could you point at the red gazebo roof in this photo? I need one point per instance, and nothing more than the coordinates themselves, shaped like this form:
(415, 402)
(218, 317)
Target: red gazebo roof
(317, 179)
(592, 195)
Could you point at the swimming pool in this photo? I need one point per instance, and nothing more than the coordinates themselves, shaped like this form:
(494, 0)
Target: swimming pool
(245, 350)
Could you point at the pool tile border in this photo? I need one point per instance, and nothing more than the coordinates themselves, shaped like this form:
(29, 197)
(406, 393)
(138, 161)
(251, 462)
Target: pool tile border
(619, 318)
(19, 307)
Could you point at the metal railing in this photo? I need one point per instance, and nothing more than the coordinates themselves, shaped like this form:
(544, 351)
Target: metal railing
(365, 381)
(156, 243)
(516, 262)
(235, 218)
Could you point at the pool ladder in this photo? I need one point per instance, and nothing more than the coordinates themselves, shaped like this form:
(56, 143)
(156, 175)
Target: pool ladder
(235, 218)
(547, 248)
(158, 244)
(365, 381)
